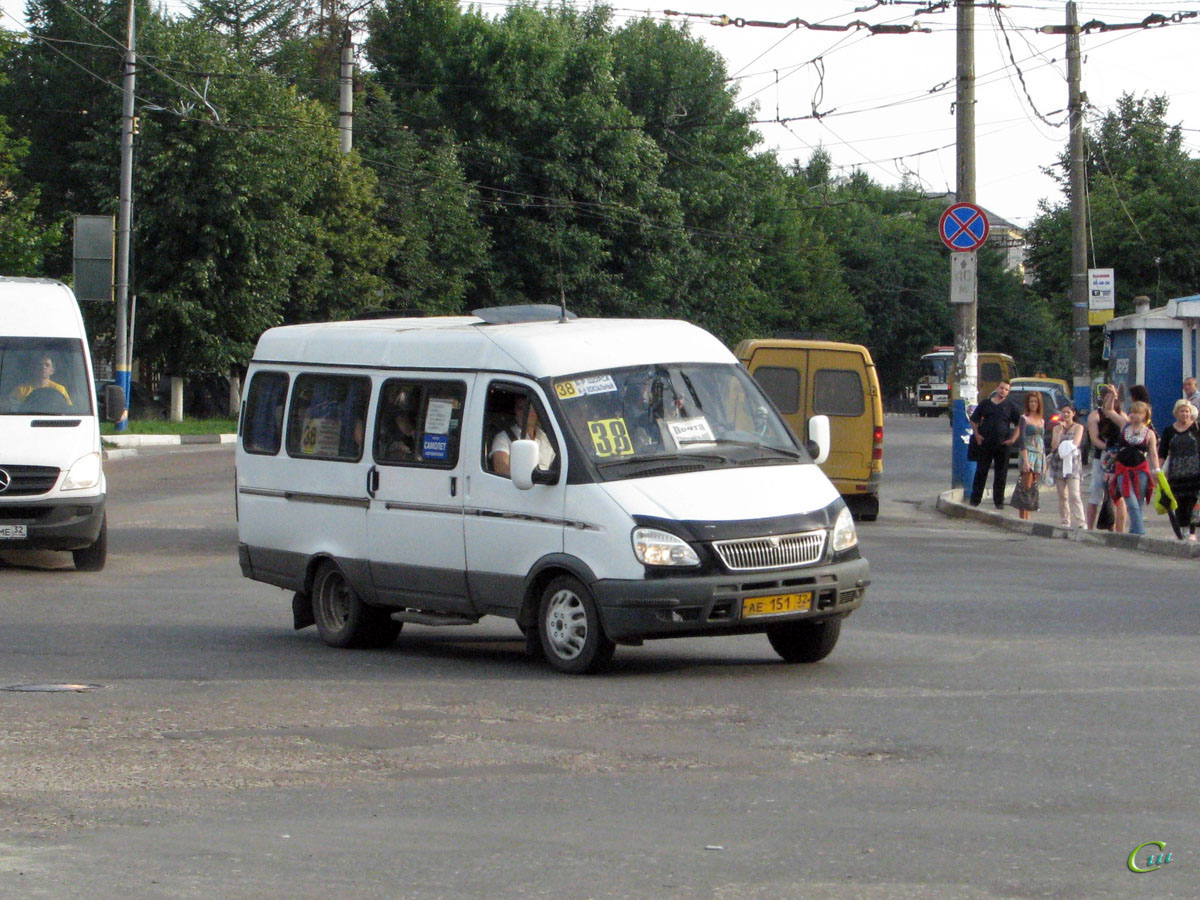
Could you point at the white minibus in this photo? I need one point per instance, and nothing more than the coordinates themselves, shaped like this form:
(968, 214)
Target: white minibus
(52, 487)
(600, 481)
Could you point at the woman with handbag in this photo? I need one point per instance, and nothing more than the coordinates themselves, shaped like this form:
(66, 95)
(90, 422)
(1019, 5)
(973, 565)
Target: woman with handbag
(1033, 455)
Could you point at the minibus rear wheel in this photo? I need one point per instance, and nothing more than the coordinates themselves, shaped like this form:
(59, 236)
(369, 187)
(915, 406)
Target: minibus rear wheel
(343, 620)
(569, 626)
(805, 642)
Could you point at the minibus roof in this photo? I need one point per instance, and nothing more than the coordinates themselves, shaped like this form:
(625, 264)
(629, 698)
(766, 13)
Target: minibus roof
(537, 349)
(38, 307)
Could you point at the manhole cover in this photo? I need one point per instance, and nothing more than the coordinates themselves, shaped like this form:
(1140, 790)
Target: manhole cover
(52, 688)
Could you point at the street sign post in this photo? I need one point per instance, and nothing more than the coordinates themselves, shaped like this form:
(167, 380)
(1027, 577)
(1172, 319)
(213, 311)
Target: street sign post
(963, 228)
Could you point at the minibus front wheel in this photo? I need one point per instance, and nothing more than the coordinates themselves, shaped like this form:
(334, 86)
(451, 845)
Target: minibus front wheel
(343, 620)
(805, 642)
(569, 626)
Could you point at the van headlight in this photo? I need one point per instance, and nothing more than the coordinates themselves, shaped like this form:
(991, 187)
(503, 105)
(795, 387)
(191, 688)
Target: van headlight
(843, 536)
(84, 473)
(653, 547)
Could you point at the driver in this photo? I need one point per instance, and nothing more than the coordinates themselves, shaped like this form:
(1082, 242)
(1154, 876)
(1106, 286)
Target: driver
(40, 378)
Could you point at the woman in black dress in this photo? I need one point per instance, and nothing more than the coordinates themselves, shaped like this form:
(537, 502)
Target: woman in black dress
(1180, 444)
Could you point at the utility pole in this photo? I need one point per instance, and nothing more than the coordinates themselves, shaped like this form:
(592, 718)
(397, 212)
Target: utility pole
(1079, 272)
(963, 264)
(121, 363)
(346, 94)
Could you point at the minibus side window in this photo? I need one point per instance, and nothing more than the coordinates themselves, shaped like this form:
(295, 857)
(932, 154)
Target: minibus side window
(419, 423)
(838, 392)
(782, 385)
(262, 420)
(328, 417)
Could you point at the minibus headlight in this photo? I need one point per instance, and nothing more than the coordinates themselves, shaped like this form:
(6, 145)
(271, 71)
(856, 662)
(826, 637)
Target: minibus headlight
(84, 473)
(653, 547)
(843, 536)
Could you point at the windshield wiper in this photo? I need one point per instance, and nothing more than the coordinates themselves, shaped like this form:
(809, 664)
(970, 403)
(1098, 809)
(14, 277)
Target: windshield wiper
(664, 458)
(751, 444)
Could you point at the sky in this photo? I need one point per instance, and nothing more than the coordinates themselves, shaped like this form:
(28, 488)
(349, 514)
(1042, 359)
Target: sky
(885, 102)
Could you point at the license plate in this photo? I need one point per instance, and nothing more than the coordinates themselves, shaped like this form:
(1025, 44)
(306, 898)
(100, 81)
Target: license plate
(13, 532)
(776, 604)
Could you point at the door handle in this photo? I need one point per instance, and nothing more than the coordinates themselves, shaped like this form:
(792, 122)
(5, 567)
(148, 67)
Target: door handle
(453, 485)
(372, 481)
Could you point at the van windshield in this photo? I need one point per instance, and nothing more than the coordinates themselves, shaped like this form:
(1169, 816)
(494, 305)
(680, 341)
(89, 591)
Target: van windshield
(42, 376)
(649, 420)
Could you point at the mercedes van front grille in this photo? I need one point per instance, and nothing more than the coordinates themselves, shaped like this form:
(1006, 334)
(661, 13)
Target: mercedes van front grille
(776, 552)
(26, 481)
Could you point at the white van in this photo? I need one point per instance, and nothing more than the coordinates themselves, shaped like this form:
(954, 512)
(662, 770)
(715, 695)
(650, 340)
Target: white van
(600, 481)
(51, 480)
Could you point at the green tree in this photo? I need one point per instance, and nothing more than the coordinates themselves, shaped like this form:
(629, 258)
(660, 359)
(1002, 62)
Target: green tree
(259, 29)
(1143, 211)
(252, 217)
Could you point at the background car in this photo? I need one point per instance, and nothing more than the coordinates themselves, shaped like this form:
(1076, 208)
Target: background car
(141, 402)
(1040, 381)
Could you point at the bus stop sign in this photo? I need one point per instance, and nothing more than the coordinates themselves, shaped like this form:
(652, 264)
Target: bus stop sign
(963, 226)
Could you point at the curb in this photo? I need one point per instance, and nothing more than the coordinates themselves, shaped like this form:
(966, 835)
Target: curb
(122, 446)
(949, 503)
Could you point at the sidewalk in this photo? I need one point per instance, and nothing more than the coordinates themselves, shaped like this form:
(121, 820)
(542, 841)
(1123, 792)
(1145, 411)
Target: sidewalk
(1159, 538)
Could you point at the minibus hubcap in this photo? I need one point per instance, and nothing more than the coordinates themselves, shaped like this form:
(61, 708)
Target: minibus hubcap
(566, 624)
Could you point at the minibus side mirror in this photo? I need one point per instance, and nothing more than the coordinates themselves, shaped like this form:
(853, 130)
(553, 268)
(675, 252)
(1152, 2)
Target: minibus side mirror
(522, 460)
(818, 438)
(114, 402)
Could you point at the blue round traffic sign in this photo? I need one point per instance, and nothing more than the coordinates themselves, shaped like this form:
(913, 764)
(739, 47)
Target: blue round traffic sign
(963, 226)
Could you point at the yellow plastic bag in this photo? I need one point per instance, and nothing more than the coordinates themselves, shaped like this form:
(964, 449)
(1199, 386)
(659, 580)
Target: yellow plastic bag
(1164, 500)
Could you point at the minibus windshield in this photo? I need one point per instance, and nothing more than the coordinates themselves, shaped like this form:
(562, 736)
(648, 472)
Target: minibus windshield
(644, 420)
(41, 376)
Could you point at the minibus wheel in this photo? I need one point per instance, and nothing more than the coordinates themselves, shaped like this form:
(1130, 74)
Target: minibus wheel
(805, 642)
(342, 619)
(92, 557)
(569, 627)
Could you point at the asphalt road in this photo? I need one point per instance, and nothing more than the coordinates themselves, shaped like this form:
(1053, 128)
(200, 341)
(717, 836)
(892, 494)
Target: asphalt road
(1006, 717)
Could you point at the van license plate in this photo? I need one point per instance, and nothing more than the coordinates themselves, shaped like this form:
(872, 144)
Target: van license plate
(13, 532)
(776, 604)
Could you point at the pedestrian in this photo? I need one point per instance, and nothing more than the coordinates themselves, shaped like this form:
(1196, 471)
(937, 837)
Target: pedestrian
(1033, 444)
(1191, 393)
(1136, 460)
(994, 426)
(1066, 462)
(1179, 450)
(1103, 434)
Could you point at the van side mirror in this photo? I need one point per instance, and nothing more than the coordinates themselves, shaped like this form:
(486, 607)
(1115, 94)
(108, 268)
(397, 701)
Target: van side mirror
(114, 402)
(818, 438)
(522, 460)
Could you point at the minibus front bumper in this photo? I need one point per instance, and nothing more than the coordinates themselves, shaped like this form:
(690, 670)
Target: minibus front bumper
(60, 524)
(633, 611)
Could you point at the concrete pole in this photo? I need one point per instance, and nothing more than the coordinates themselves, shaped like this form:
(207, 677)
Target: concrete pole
(346, 94)
(122, 355)
(966, 356)
(1079, 273)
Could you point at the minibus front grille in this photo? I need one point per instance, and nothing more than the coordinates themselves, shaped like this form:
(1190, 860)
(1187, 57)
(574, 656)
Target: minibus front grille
(26, 481)
(776, 552)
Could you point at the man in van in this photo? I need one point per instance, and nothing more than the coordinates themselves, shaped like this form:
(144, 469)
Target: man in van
(525, 413)
(995, 425)
(40, 378)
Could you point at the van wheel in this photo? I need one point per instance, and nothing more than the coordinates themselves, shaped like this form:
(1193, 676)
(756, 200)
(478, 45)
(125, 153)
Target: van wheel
(569, 626)
(805, 642)
(92, 557)
(342, 619)
(865, 507)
